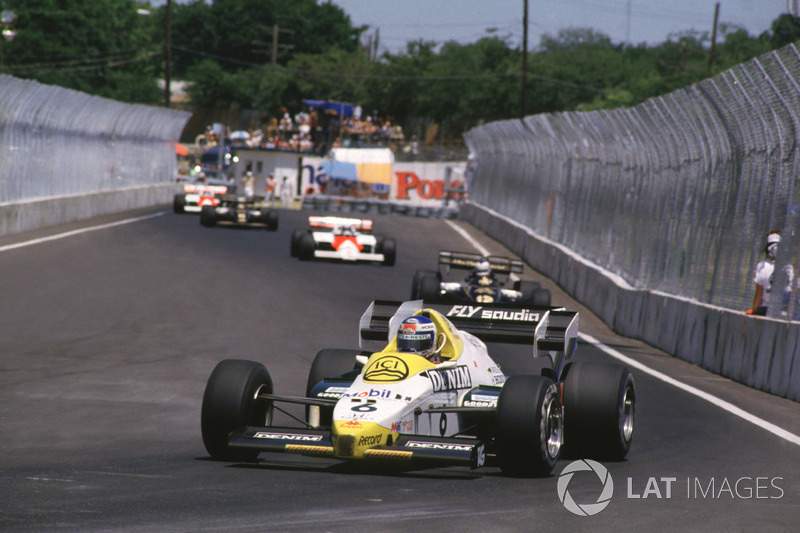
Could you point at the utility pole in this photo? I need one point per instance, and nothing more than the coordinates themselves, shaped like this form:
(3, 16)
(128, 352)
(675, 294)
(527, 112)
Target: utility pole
(274, 46)
(276, 30)
(167, 53)
(713, 40)
(523, 101)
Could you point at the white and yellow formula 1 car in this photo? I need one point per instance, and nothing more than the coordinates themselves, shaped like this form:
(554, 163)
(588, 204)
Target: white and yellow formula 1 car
(343, 238)
(394, 407)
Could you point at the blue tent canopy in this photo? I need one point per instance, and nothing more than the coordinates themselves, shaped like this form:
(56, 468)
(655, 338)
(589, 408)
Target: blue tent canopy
(339, 170)
(344, 110)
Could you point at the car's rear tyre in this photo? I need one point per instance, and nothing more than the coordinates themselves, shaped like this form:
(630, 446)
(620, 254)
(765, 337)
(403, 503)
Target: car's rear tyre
(179, 204)
(229, 403)
(389, 250)
(328, 363)
(429, 288)
(599, 406)
(271, 220)
(530, 426)
(306, 247)
(208, 216)
(415, 282)
(525, 287)
(539, 298)
(295, 248)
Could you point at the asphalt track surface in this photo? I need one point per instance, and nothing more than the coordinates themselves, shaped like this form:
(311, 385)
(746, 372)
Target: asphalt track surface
(107, 338)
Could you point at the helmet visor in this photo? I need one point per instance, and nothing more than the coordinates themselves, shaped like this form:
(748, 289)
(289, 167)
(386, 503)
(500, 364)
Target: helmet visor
(414, 342)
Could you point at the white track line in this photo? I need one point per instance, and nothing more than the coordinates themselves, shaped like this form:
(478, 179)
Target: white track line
(75, 232)
(722, 404)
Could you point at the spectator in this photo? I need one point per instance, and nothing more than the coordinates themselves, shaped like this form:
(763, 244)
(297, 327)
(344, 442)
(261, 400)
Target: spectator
(247, 183)
(763, 276)
(269, 197)
(286, 192)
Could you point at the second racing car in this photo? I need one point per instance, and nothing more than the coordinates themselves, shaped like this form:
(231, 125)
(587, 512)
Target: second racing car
(239, 210)
(422, 392)
(342, 238)
(485, 283)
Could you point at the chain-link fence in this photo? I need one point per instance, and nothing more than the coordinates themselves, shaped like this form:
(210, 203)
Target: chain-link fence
(57, 142)
(676, 194)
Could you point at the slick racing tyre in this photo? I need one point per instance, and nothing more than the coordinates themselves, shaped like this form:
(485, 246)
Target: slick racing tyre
(295, 248)
(327, 364)
(208, 216)
(306, 247)
(540, 298)
(271, 220)
(599, 406)
(415, 283)
(530, 426)
(388, 248)
(229, 403)
(179, 204)
(525, 287)
(429, 288)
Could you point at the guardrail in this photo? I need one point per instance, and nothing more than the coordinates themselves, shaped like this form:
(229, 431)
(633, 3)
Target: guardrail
(66, 155)
(664, 208)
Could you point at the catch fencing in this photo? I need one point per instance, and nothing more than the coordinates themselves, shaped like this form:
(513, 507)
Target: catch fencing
(55, 142)
(676, 194)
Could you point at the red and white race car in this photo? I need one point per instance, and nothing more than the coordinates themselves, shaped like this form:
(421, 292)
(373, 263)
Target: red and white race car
(196, 195)
(347, 239)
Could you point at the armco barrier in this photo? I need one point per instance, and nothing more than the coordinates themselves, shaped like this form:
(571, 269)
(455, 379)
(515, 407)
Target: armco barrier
(357, 206)
(759, 352)
(19, 217)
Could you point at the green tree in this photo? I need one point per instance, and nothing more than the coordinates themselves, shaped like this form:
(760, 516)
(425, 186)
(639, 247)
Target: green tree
(98, 47)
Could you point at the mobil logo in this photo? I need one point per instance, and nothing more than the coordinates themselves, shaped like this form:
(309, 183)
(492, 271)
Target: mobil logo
(371, 393)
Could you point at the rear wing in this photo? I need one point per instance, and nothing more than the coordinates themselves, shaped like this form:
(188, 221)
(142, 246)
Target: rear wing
(552, 332)
(468, 260)
(331, 222)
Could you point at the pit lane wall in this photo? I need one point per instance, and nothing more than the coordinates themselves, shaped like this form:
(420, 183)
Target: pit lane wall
(654, 217)
(67, 155)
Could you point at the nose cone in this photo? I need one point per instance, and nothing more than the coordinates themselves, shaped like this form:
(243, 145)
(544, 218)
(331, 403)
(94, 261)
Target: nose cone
(351, 438)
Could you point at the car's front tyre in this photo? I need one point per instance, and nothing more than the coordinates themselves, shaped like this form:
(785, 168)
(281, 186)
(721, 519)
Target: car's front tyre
(530, 426)
(229, 403)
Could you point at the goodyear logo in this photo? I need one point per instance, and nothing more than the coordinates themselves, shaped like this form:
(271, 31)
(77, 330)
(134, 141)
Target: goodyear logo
(450, 379)
(386, 369)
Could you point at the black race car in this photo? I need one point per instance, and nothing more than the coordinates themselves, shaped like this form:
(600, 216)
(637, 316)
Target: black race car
(485, 283)
(241, 210)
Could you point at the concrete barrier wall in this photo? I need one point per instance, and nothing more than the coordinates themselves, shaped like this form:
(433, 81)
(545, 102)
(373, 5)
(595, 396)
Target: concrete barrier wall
(19, 217)
(759, 352)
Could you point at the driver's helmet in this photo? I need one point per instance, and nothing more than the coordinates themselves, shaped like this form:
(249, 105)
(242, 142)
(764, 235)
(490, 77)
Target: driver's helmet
(482, 268)
(417, 334)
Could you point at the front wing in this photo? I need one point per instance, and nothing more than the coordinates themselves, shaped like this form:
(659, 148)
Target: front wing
(410, 449)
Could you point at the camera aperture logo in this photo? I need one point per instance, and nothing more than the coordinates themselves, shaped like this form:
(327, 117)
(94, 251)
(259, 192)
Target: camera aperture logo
(588, 509)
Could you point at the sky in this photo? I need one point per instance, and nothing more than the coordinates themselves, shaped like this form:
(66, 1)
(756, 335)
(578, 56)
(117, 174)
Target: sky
(624, 21)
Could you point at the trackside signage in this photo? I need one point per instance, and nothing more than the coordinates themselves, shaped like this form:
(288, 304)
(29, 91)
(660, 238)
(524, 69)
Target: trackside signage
(583, 473)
